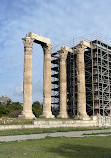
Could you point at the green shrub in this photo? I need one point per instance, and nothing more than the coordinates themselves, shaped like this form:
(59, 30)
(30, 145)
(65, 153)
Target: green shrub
(3, 110)
(36, 104)
(37, 112)
(14, 106)
(11, 110)
(36, 108)
(14, 109)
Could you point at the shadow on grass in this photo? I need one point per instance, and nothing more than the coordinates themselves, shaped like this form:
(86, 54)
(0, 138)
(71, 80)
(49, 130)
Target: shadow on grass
(80, 151)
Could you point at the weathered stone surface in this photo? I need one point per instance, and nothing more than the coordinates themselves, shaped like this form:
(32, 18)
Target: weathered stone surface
(27, 83)
(97, 121)
(27, 89)
(47, 82)
(66, 123)
(67, 49)
(55, 124)
(81, 92)
(87, 44)
(38, 38)
(63, 83)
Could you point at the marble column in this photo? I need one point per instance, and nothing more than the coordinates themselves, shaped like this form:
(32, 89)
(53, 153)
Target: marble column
(81, 91)
(27, 79)
(47, 82)
(63, 84)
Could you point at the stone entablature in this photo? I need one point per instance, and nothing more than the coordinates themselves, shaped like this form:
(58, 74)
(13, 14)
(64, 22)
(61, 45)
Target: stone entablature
(38, 38)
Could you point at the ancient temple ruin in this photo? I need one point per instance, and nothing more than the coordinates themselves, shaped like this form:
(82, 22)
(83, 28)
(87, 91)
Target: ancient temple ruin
(27, 83)
(80, 80)
(88, 67)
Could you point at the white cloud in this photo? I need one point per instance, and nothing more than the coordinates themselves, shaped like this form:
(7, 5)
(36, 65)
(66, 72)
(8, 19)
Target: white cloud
(19, 90)
(57, 19)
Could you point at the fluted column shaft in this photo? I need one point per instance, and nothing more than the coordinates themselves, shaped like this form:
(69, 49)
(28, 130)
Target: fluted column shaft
(63, 84)
(47, 82)
(81, 91)
(27, 79)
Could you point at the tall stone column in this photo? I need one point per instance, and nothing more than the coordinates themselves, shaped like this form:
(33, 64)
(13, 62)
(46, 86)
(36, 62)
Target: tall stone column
(27, 80)
(47, 82)
(63, 84)
(81, 91)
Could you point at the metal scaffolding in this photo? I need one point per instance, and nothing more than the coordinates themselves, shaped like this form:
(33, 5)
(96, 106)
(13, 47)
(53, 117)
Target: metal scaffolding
(97, 77)
(71, 84)
(55, 79)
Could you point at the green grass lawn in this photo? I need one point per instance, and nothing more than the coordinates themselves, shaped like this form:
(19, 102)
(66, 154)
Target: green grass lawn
(91, 147)
(98, 133)
(46, 130)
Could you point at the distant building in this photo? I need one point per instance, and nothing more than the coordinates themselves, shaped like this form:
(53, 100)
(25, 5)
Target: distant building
(4, 99)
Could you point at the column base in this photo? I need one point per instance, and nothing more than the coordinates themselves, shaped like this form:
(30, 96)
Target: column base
(62, 116)
(83, 117)
(27, 115)
(47, 115)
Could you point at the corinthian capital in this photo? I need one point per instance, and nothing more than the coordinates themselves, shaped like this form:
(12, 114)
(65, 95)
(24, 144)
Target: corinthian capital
(47, 48)
(28, 42)
(80, 48)
(63, 54)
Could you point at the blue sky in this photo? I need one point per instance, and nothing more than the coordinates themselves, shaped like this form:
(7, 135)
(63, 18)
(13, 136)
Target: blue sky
(58, 20)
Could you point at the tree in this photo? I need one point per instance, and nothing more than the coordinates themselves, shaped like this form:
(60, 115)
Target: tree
(3, 110)
(14, 106)
(36, 104)
(14, 109)
(36, 108)
(9, 102)
(11, 110)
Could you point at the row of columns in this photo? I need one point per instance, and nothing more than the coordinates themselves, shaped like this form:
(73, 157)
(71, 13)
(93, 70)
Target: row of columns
(27, 80)
(27, 84)
(81, 92)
